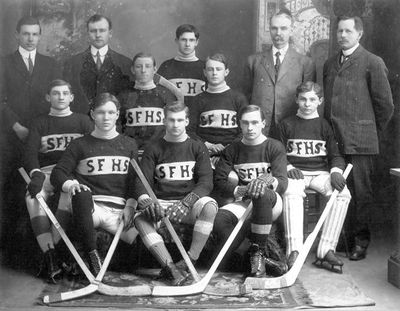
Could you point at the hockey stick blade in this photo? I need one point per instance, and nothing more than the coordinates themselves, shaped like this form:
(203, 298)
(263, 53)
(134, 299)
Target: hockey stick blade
(94, 286)
(200, 286)
(290, 277)
(170, 228)
(94, 283)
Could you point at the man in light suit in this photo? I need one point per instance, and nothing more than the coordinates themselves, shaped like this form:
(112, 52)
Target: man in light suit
(24, 77)
(359, 105)
(100, 69)
(271, 77)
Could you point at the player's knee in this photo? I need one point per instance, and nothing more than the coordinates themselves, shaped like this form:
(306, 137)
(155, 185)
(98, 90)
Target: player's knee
(210, 209)
(224, 223)
(295, 187)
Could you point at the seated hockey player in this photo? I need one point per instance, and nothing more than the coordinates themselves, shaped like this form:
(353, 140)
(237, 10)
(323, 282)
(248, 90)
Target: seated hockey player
(260, 164)
(94, 172)
(48, 138)
(316, 163)
(213, 116)
(142, 106)
(179, 171)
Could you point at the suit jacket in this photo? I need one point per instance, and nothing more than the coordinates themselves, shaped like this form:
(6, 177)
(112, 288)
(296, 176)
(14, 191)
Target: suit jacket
(23, 95)
(276, 98)
(358, 100)
(87, 82)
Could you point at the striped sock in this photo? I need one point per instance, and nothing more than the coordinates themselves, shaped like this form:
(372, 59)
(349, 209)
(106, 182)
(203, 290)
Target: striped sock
(202, 229)
(152, 240)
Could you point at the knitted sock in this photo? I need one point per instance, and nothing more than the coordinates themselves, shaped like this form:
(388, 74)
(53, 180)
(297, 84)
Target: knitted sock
(202, 229)
(152, 240)
(82, 206)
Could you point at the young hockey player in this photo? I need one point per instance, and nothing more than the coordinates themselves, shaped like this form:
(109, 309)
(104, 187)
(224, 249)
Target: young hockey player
(142, 106)
(316, 163)
(94, 172)
(48, 138)
(213, 116)
(178, 169)
(185, 70)
(260, 165)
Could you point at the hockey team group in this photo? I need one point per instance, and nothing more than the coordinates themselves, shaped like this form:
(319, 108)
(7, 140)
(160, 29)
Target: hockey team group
(131, 147)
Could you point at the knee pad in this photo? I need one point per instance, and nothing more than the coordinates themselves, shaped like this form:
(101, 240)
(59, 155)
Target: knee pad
(295, 187)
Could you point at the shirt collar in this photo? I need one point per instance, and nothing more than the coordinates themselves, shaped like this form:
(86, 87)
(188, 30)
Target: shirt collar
(283, 51)
(103, 51)
(25, 53)
(351, 50)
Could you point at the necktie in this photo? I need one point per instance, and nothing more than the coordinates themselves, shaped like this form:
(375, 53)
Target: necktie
(343, 58)
(98, 61)
(30, 64)
(277, 61)
(277, 64)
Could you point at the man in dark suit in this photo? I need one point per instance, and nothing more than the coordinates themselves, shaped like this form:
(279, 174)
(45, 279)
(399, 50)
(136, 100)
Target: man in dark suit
(271, 77)
(359, 105)
(98, 69)
(24, 77)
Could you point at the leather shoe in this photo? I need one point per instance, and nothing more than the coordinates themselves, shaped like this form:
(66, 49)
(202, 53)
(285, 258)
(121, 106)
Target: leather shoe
(292, 258)
(275, 268)
(358, 253)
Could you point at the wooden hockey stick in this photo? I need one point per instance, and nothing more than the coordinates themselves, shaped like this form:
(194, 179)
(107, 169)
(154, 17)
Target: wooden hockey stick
(95, 283)
(290, 277)
(170, 228)
(199, 287)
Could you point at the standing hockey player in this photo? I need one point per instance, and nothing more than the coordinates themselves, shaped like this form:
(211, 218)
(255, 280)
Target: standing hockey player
(48, 138)
(213, 116)
(260, 164)
(316, 163)
(94, 171)
(142, 111)
(185, 70)
(178, 169)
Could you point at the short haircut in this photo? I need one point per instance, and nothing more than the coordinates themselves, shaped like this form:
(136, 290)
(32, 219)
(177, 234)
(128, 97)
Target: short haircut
(28, 20)
(143, 55)
(251, 108)
(176, 106)
(219, 57)
(96, 18)
(309, 86)
(58, 82)
(186, 28)
(104, 98)
(358, 23)
(283, 12)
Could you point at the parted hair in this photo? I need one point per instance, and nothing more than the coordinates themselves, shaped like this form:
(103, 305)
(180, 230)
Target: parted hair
(251, 108)
(96, 18)
(358, 23)
(176, 106)
(58, 82)
(27, 20)
(186, 28)
(309, 86)
(219, 57)
(104, 98)
(143, 55)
